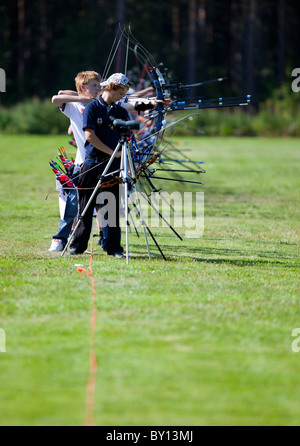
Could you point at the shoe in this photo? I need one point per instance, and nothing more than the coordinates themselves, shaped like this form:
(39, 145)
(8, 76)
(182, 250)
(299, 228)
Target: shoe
(118, 255)
(74, 252)
(56, 245)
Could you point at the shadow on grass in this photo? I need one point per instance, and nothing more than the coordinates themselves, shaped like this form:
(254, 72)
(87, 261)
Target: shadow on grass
(178, 253)
(236, 257)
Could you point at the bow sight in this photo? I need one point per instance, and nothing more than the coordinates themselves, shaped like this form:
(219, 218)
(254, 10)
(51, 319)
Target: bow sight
(122, 126)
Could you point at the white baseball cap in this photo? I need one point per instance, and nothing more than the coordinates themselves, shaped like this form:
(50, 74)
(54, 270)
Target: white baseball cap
(116, 78)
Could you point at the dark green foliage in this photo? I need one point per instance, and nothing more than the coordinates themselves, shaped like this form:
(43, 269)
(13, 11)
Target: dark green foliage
(252, 42)
(33, 116)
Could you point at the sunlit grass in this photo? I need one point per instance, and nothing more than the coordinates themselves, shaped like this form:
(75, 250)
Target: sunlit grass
(203, 338)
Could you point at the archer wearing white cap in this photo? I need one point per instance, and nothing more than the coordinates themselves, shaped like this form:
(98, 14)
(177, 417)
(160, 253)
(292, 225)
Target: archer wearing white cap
(101, 141)
(118, 79)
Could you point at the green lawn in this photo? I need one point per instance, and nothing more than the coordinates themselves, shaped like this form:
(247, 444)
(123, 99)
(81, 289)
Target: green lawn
(202, 339)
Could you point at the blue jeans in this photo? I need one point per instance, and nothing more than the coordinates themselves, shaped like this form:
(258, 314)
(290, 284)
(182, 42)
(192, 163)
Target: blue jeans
(111, 234)
(71, 211)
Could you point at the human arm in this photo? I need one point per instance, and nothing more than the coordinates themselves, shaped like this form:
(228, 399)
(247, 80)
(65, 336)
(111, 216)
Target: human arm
(60, 99)
(93, 139)
(72, 92)
(141, 104)
(143, 92)
(134, 104)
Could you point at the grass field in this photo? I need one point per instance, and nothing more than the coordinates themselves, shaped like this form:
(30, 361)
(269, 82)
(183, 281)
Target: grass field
(202, 339)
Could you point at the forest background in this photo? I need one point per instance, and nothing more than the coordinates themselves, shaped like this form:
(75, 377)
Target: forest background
(44, 44)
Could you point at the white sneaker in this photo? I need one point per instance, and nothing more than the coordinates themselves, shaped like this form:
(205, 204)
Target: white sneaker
(56, 245)
(118, 255)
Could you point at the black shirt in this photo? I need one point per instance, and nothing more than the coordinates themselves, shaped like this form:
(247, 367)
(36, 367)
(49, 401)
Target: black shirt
(96, 117)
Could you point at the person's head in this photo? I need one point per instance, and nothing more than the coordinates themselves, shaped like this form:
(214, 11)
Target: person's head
(88, 83)
(115, 87)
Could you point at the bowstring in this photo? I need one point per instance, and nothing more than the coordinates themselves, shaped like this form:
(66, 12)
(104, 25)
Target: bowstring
(113, 52)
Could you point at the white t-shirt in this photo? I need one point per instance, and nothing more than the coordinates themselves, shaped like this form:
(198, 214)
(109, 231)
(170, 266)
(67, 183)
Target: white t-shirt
(74, 111)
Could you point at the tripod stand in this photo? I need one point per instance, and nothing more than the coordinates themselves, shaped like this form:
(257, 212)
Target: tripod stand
(127, 176)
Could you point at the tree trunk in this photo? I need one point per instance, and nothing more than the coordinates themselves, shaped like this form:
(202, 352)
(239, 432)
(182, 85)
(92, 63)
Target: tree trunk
(281, 42)
(235, 50)
(202, 38)
(43, 45)
(249, 50)
(121, 54)
(191, 51)
(175, 28)
(21, 61)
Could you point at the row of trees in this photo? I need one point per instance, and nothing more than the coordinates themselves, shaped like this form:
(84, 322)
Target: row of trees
(44, 43)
